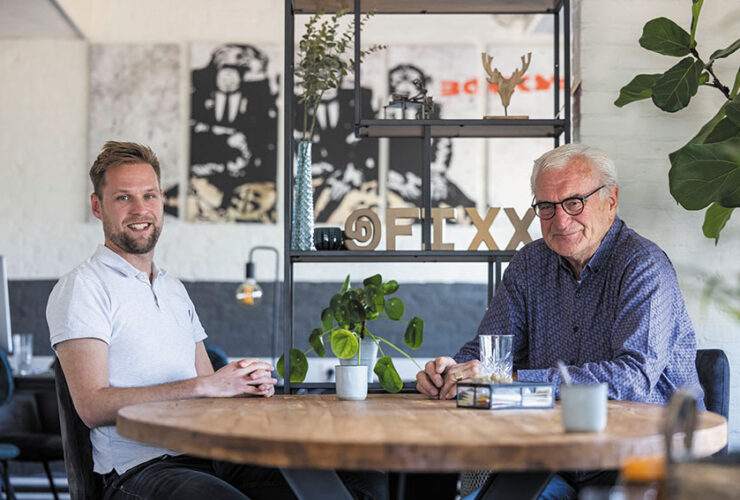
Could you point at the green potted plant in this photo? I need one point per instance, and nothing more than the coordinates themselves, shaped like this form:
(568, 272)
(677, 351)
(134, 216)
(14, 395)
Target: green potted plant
(322, 64)
(344, 323)
(706, 171)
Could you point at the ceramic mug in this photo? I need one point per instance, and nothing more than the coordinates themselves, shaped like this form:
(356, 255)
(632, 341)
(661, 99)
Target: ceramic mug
(584, 407)
(328, 238)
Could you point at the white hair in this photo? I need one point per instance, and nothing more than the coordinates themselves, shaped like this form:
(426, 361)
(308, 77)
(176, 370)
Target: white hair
(561, 156)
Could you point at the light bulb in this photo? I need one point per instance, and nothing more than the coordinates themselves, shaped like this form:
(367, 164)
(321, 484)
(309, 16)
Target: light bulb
(249, 293)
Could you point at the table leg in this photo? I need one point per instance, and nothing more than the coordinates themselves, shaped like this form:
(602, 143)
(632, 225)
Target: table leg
(316, 484)
(514, 485)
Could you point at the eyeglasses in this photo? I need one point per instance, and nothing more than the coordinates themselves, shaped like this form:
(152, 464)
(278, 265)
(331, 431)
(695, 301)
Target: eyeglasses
(545, 210)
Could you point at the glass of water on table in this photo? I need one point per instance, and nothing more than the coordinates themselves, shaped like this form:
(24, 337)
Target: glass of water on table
(496, 358)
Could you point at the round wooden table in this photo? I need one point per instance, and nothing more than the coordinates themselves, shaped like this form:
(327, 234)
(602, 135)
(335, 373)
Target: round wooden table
(401, 432)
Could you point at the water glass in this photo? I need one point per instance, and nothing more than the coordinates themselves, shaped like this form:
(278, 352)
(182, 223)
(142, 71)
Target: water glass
(497, 358)
(22, 353)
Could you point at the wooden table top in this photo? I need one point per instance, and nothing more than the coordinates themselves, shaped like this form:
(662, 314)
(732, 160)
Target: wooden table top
(403, 432)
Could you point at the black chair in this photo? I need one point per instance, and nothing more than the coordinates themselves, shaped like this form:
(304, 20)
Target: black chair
(217, 356)
(84, 484)
(7, 451)
(714, 376)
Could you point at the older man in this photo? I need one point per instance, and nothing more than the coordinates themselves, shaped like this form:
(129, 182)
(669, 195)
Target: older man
(591, 292)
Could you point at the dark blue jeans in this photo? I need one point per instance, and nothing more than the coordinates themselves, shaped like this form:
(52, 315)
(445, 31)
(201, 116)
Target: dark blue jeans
(185, 477)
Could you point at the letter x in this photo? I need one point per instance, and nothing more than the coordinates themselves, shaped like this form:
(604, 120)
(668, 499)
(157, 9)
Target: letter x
(483, 234)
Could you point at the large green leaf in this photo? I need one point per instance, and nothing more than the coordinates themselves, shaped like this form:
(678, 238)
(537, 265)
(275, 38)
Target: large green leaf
(298, 366)
(394, 308)
(724, 130)
(356, 311)
(708, 128)
(665, 37)
(344, 344)
(641, 87)
(375, 279)
(374, 298)
(674, 89)
(387, 375)
(345, 286)
(327, 319)
(390, 287)
(414, 334)
(704, 173)
(715, 219)
(719, 54)
(316, 339)
(732, 110)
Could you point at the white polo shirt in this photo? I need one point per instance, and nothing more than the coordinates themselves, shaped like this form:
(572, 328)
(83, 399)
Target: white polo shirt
(151, 330)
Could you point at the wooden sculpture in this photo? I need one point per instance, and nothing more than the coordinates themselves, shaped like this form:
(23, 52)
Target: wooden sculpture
(506, 86)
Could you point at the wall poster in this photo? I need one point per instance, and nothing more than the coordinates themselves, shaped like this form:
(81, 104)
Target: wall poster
(233, 133)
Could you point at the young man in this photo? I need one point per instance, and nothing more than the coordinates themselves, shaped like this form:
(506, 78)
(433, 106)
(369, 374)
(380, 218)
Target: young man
(126, 332)
(591, 292)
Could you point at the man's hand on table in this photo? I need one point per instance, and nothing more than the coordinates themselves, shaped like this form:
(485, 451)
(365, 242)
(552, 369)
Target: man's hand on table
(247, 376)
(440, 376)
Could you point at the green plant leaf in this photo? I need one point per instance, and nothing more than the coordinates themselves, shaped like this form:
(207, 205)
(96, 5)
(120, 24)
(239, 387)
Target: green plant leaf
(665, 37)
(414, 335)
(298, 366)
(695, 10)
(641, 87)
(674, 89)
(724, 130)
(732, 110)
(721, 53)
(316, 339)
(715, 219)
(390, 287)
(708, 128)
(356, 311)
(374, 298)
(345, 286)
(327, 319)
(394, 308)
(387, 375)
(375, 279)
(704, 173)
(344, 344)
(704, 78)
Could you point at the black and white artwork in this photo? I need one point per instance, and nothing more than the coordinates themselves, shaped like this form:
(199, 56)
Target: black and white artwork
(233, 133)
(448, 73)
(135, 96)
(344, 167)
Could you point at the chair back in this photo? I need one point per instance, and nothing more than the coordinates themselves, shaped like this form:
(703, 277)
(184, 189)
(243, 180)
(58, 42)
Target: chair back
(713, 369)
(84, 484)
(217, 356)
(6, 379)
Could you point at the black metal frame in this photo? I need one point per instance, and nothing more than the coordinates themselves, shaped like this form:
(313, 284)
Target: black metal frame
(425, 130)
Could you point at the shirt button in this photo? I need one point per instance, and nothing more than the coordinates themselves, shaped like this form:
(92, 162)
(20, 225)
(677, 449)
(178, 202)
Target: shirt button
(575, 329)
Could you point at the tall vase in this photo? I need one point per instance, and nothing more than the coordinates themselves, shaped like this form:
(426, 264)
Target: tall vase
(302, 223)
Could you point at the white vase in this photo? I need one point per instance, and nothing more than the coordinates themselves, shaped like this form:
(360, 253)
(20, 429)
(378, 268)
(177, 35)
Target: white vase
(368, 353)
(351, 382)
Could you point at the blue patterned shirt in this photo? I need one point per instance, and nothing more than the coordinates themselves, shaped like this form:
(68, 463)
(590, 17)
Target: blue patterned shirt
(623, 323)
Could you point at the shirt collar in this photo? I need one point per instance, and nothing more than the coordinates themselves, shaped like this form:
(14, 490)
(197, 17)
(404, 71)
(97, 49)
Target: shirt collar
(602, 253)
(114, 261)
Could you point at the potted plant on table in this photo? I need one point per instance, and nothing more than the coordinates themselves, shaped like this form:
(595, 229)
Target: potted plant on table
(345, 325)
(322, 64)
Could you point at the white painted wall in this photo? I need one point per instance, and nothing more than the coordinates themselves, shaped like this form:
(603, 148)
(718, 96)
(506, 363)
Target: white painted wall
(43, 101)
(640, 137)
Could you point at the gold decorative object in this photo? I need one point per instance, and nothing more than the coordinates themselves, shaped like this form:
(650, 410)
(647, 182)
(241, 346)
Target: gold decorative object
(506, 86)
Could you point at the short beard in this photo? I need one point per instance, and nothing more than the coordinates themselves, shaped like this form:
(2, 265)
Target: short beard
(130, 245)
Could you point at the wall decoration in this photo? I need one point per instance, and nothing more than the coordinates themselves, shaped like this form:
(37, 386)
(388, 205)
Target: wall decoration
(456, 170)
(233, 133)
(134, 96)
(345, 168)
(506, 85)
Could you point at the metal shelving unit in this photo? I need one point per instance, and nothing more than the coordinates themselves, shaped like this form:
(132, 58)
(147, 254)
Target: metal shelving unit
(424, 130)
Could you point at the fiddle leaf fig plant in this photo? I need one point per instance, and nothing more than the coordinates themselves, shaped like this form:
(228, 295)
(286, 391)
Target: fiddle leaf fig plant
(706, 171)
(323, 61)
(344, 323)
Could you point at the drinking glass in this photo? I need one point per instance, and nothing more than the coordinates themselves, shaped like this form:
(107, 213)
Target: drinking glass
(496, 357)
(22, 352)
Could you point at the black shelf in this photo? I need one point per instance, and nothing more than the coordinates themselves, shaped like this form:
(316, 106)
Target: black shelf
(497, 127)
(402, 256)
(430, 6)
